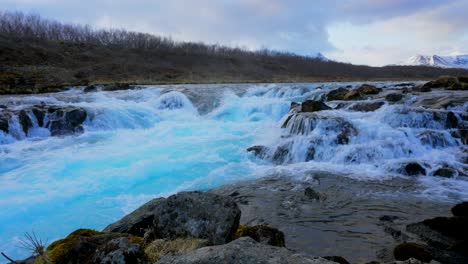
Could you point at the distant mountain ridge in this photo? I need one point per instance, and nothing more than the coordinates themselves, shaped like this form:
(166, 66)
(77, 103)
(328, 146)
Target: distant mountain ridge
(456, 61)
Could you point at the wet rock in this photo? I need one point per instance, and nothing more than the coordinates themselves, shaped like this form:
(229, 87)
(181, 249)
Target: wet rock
(414, 168)
(442, 82)
(368, 89)
(394, 97)
(451, 121)
(337, 94)
(117, 87)
(422, 89)
(310, 154)
(259, 151)
(445, 172)
(90, 88)
(313, 106)
(352, 95)
(445, 236)
(412, 250)
(435, 139)
(262, 234)
(281, 154)
(460, 209)
(463, 134)
(187, 214)
(388, 218)
(25, 121)
(311, 194)
(367, 107)
(89, 246)
(242, 251)
(4, 119)
(65, 120)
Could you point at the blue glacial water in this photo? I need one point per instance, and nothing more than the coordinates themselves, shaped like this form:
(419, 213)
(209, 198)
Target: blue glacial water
(155, 141)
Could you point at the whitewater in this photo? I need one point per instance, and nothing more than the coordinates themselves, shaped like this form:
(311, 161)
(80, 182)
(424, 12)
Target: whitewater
(158, 140)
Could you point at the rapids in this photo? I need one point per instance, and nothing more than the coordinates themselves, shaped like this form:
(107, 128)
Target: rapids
(158, 140)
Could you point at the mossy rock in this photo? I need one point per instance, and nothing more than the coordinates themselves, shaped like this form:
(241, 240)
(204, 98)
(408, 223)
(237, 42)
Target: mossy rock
(87, 245)
(261, 233)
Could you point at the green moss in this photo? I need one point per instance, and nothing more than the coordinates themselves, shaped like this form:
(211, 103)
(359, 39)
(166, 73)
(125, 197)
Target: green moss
(60, 250)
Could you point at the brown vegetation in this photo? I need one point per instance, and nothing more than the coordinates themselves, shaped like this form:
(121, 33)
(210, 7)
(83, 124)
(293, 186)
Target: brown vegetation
(39, 55)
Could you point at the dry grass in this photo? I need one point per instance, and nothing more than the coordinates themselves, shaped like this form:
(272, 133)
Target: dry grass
(160, 247)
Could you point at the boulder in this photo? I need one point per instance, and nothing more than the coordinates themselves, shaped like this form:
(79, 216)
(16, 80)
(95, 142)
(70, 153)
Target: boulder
(25, 121)
(368, 89)
(244, 250)
(446, 237)
(186, 214)
(337, 94)
(352, 95)
(262, 234)
(445, 172)
(451, 121)
(63, 120)
(460, 209)
(259, 151)
(442, 82)
(90, 88)
(449, 83)
(394, 97)
(311, 194)
(85, 246)
(366, 107)
(406, 251)
(414, 168)
(313, 106)
(4, 118)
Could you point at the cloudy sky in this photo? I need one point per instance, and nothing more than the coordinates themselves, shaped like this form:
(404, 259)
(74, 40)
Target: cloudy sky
(374, 32)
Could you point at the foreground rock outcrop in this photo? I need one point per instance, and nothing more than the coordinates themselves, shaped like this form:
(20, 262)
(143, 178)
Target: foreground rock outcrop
(446, 238)
(188, 214)
(242, 251)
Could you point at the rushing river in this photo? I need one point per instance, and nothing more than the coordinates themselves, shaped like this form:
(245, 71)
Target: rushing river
(158, 140)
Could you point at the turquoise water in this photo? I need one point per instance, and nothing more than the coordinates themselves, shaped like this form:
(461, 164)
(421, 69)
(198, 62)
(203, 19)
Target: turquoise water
(140, 144)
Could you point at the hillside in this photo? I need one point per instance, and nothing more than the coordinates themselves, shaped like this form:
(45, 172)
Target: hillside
(38, 55)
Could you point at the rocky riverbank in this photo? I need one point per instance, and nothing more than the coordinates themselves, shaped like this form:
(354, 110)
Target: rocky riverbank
(273, 220)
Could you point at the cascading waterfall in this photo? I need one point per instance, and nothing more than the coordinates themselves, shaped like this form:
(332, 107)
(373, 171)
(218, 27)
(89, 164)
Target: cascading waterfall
(154, 141)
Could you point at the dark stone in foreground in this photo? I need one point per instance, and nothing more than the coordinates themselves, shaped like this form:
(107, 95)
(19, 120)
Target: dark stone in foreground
(313, 106)
(244, 250)
(187, 214)
(460, 209)
(412, 250)
(414, 168)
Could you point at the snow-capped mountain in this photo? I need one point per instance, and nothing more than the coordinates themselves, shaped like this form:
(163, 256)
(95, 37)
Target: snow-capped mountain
(456, 61)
